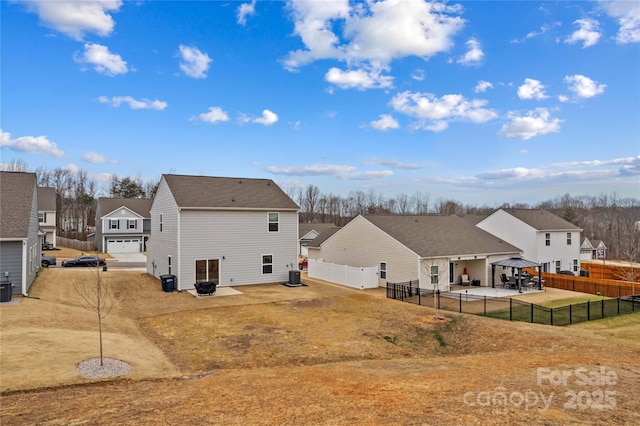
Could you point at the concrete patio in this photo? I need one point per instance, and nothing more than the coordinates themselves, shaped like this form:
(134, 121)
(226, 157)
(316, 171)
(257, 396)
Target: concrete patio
(491, 292)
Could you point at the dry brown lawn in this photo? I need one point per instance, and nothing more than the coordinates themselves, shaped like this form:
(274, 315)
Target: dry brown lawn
(321, 354)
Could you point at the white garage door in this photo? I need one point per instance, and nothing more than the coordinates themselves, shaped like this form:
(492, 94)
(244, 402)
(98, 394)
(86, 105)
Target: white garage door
(123, 246)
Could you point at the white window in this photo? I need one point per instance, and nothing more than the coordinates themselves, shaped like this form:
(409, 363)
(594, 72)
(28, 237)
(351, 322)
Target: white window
(42, 217)
(557, 266)
(434, 274)
(267, 263)
(547, 239)
(568, 238)
(383, 270)
(169, 265)
(160, 222)
(575, 265)
(132, 224)
(273, 222)
(207, 270)
(114, 224)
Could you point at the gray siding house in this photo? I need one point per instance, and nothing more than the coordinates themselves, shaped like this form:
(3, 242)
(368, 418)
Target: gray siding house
(436, 250)
(234, 231)
(123, 225)
(20, 241)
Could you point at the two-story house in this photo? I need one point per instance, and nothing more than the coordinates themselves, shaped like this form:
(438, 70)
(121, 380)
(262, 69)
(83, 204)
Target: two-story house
(543, 237)
(234, 231)
(47, 216)
(20, 242)
(123, 225)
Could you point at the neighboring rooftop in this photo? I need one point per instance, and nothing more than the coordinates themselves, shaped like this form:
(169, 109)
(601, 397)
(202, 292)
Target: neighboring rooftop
(437, 235)
(224, 192)
(47, 199)
(16, 203)
(305, 228)
(141, 206)
(542, 220)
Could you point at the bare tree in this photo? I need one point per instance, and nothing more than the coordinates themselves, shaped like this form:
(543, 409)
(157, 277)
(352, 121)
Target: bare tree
(98, 297)
(14, 166)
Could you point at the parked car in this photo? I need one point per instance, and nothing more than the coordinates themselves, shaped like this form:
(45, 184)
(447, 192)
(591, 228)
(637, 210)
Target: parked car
(566, 273)
(304, 264)
(47, 246)
(84, 261)
(47, 261)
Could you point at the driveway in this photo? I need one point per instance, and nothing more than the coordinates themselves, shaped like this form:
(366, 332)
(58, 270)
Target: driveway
(127, 260)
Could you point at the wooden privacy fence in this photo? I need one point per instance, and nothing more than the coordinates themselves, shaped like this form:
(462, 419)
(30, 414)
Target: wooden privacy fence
(76, 244)
(605, 271)
(607, 288)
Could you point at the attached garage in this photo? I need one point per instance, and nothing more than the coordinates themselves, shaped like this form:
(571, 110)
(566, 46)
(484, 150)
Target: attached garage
(123, 245)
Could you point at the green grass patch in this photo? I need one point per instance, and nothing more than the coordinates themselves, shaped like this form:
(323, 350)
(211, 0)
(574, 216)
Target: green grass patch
(439, 338)
(571, 301)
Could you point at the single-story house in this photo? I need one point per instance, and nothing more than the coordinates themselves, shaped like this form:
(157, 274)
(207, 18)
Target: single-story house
(308, 232)
(123, 225)
(436, 250)
(234, 231)
(20, 238)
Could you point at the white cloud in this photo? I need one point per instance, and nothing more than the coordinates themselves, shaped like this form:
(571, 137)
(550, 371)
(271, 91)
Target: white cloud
(102, 60)
(75, 18)
(268, 118)
(244, 10)
(358, 79)
(418, 75)
(116, 101)
(385, 122)
(628, 15)
(394, 164)
(72, 168)
(588, 33)
(531, 89)
(474, 55)
(543, 30)
(214, 115)
(534, 123)
(482, 86)
(584, 87)
(435, 113)
(95, 158)
(194, 62)
(373, 33)
(339, 171)
(30, 144)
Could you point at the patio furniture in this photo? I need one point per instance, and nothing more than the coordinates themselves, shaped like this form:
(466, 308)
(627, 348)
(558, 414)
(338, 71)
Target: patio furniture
(504, 280)
(207, 287)
(464, 279)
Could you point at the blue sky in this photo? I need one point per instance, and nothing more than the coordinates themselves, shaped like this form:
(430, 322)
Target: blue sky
(481, 102)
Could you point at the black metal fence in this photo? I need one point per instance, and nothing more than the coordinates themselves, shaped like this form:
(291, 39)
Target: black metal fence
(513, 309)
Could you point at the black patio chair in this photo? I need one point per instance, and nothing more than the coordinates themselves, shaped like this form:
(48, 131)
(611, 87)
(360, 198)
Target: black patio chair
(504, 280)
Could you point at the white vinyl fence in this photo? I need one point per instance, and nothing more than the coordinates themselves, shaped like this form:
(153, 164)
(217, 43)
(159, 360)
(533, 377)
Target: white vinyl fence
(359, 278)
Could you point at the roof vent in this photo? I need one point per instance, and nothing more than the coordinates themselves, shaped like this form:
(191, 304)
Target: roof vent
(233, 199)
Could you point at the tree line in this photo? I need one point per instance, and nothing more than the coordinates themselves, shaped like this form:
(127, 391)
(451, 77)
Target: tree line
(607, 217)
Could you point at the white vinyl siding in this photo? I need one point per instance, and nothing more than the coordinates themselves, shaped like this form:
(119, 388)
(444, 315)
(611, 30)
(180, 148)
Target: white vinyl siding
(239, 240)
(163, 244)
(362, 244)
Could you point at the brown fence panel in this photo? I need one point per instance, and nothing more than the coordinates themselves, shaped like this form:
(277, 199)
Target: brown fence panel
(76, 244)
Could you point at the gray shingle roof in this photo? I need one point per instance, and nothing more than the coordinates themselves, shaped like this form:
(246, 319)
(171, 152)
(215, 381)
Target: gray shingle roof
(437, 235)
(542, 220)
(47, 199)
(305, 228)
(225, 192)
(141, 206)
(16, 202)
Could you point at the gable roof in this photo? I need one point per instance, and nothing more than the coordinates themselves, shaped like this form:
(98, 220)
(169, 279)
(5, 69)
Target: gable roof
(227, 193)
(16, 203)
(437, 235)
(47, 199)
(305, 228)
(542, 220)
(140, 206)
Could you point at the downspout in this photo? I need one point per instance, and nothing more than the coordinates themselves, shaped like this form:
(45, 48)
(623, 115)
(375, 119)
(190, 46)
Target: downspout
(179, 265)
(419, 272)
(24, 268)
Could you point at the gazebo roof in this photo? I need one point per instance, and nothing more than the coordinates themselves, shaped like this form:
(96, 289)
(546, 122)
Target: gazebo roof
(516, 262)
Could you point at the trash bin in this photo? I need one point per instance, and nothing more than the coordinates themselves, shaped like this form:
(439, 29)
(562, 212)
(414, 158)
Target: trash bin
(294, 277)
(5, 291)
(168, 283)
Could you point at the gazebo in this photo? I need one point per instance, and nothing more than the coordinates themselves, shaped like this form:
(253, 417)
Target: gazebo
(519, 263)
